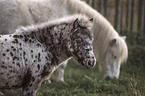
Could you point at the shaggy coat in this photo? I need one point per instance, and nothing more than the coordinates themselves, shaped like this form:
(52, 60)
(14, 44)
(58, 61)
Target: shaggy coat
(32, 53)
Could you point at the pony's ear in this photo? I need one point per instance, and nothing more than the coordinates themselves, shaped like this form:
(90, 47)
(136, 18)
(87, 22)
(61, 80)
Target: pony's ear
(91, 19)
(113, 42)
(75, 23)
(123, 37)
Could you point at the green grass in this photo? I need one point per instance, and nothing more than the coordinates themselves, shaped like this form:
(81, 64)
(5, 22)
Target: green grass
(82, 82)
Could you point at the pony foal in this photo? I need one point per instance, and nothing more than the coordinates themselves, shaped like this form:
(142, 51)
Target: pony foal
(31, 54)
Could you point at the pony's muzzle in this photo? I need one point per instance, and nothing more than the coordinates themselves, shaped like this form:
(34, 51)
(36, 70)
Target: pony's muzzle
(91, 63)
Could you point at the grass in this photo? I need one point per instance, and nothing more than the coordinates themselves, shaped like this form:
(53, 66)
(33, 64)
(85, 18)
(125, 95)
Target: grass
(83, 82)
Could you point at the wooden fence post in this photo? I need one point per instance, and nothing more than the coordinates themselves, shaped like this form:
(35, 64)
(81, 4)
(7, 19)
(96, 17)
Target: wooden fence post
(96, 4)
(128, 15)
(132, 22)
(144, 18)
(93, 3)
(141, 16)
(105, 8)
(101, 9)
(88, 1)
(117, 15)
(122, 16)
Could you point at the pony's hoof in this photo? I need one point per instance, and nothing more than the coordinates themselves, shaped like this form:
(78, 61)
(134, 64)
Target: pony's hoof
(49, 81)
(65, 83)
(1, 93)
(60, 81)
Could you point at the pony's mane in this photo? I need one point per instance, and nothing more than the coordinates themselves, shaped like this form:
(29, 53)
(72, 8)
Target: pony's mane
(122, 50)
(83, 20)
(105, 31)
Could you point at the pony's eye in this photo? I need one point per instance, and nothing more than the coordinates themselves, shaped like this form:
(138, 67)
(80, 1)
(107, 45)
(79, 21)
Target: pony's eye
(88, 49)
(115, 57)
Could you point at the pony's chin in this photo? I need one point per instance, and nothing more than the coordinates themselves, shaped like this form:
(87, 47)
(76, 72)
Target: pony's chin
(111, 78)
(90, 66)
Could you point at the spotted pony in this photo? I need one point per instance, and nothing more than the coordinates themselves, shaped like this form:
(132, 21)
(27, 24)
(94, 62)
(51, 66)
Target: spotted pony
(32, 53)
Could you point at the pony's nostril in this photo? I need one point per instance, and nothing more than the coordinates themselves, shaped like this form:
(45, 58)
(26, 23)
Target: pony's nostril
(88, 56)
(115, 78)
(107, 78)
(89, 63)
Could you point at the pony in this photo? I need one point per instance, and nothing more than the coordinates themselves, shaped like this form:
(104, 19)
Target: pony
(32, 53)
(110, 49)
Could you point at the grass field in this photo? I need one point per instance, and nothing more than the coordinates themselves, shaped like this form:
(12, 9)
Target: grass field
(83, 82)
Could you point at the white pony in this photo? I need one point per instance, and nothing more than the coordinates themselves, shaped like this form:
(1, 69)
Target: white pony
(110, 48)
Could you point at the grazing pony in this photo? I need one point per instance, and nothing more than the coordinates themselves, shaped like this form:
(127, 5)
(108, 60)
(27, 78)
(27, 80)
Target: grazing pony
(109, 48)
(31, 54)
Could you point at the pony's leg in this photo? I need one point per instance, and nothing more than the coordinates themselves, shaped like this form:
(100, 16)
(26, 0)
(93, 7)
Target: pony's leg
(30, 87)
(60, 72)
(1, 93)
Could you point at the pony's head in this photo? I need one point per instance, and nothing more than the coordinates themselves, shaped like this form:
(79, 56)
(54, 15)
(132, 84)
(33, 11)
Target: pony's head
(115, 54)
(80, 43)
